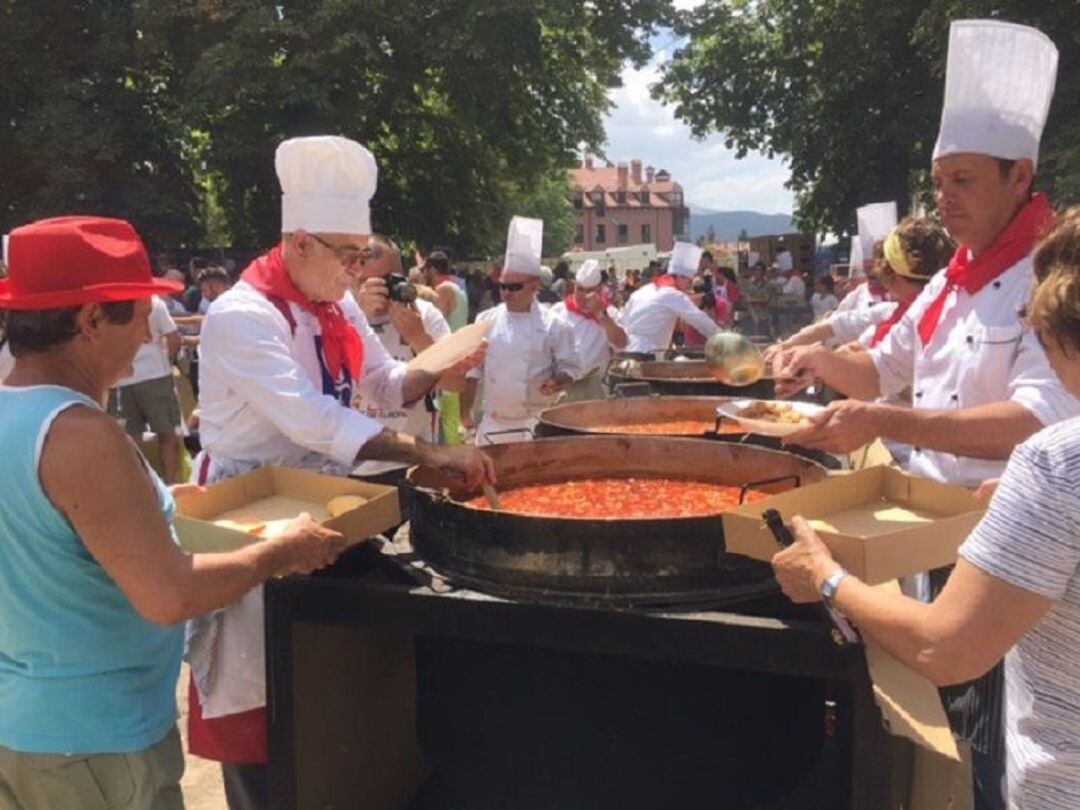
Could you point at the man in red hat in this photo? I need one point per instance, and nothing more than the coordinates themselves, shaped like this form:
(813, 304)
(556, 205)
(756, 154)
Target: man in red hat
(93, 585)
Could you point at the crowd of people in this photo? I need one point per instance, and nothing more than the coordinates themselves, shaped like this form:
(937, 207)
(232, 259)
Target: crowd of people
(959, 347)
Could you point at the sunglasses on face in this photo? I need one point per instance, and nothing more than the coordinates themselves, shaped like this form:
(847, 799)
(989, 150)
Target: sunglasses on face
(515, 286)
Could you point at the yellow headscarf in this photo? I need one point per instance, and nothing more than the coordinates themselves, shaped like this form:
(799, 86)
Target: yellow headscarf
(897, 259)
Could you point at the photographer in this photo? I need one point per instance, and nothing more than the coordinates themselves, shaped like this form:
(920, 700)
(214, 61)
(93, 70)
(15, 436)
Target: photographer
(405, 325)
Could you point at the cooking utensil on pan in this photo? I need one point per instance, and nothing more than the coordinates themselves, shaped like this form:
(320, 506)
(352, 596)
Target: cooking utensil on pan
(734, 359)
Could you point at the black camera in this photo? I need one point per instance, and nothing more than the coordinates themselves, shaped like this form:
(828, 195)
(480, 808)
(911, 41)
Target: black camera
(400, 289)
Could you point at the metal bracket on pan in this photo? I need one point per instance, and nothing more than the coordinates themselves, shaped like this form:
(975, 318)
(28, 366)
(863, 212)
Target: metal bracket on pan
(526, 431)
(627, 390)
(752, 484)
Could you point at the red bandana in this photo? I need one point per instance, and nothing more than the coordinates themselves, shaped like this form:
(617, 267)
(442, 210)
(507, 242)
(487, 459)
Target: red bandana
(666, 280)
(572, 305)
(885, 326)
(972, 274)
(342, 346)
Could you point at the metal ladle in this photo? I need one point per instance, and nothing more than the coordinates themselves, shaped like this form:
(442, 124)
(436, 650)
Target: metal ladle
(733, 359)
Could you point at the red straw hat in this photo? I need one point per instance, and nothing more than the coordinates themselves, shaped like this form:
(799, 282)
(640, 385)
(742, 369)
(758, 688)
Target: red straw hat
(70, 261)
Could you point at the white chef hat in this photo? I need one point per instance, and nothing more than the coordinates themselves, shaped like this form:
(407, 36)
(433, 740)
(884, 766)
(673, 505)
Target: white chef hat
(524, 246)
(875, 221)
(3, 255)
(998, 86)
(685, 258)
(327, 183)
(589, 274)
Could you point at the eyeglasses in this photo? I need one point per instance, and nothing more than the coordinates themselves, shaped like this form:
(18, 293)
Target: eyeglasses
(514, 286)
(347, 255)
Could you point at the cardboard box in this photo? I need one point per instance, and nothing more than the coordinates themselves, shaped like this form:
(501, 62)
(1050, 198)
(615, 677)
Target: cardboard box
(880, 524)
(197, 511)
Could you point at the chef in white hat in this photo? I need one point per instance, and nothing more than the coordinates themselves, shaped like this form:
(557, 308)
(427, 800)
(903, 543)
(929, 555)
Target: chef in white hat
(282, 354)
(597, 332)
(981, 382)
(866, 305)
(530, 356)
(650, 315)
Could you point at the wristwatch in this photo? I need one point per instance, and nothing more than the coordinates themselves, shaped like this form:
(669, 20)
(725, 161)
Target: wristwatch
(829, 586)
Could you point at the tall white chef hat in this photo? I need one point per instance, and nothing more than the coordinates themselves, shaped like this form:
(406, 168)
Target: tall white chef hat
(327, 183)
(998, 86)
(589, 274)
(3, 255)
(685, 258)
(875, 221)
(524, 246)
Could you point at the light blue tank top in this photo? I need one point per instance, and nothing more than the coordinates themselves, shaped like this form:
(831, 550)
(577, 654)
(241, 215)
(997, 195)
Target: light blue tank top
(81, 672)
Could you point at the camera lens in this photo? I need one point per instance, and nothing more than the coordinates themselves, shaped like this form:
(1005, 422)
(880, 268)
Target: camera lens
(400, 289)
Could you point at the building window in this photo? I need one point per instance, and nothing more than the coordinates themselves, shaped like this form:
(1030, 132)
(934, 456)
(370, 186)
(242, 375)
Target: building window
(599, 205)
(643, 196)
(601, 234)
(646, 234)
(579, 234)
(676, 198)
(579, 200)
(624, 234)
(677, 223)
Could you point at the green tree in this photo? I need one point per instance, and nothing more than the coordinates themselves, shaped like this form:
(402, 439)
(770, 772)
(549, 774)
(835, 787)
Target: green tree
(90, 126)
(463, 102)
(849, 92)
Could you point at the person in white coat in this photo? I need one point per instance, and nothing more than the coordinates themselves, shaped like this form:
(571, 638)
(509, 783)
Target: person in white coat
(652, 312)
(281, 355)
(530, 355)
(405, 329)
(597, 333)
(981, 381)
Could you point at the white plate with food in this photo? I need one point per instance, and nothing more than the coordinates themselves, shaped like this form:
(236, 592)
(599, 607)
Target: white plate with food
(438, 357)
(767, 417)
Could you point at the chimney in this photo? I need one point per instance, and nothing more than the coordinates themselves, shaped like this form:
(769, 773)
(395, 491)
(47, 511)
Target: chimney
(649, 173)
(588, 161)
(635, 171)
(624, 175)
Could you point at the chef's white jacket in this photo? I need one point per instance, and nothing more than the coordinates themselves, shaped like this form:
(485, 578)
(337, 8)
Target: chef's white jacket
(853, 324)
(524, 349)
(262, 387)
(590, 340)
(267, 398)
(415, 419)
(858, 298)
(979, 354)
(650, 316)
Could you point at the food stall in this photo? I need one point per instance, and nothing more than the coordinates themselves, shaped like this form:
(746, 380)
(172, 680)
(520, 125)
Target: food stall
(498, 659)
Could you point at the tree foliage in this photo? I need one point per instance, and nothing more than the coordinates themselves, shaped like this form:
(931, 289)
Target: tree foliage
(849, 91)
(169, 113)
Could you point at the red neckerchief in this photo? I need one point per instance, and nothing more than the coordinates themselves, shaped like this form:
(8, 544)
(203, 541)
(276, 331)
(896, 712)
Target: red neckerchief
(972, 274)
(572, 305)
(666, 280)
(886, 326)
(342, 346)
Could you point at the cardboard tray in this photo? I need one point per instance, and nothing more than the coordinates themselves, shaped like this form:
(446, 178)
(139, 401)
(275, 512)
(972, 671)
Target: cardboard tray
(881, 524)
(196, 511)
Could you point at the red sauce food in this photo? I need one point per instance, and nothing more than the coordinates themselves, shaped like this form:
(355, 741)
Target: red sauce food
(611, 498)
(686, 427)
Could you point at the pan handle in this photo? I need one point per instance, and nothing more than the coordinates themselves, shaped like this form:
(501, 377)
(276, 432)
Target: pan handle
(627, 390)
(748, 486)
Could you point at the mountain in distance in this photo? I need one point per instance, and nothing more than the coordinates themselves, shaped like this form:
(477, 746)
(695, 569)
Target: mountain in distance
(727, 225)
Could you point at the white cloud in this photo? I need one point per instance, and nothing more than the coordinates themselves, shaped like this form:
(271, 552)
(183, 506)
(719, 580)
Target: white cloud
(711, 176)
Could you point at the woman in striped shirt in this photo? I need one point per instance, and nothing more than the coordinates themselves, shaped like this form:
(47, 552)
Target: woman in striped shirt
(1015, 592)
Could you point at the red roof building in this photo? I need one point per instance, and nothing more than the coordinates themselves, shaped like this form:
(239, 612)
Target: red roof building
(619, 205)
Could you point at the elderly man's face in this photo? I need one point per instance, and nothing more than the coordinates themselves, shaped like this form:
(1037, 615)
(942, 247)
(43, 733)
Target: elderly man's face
(975, 199)
(331, 263)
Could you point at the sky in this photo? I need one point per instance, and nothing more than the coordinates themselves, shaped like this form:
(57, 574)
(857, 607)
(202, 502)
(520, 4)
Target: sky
(711, 176)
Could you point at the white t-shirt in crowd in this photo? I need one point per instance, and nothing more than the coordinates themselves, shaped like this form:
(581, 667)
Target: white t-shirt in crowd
(822, 304)
(1030, 538)
(7, 362)
(152, 359)
(795, 286)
